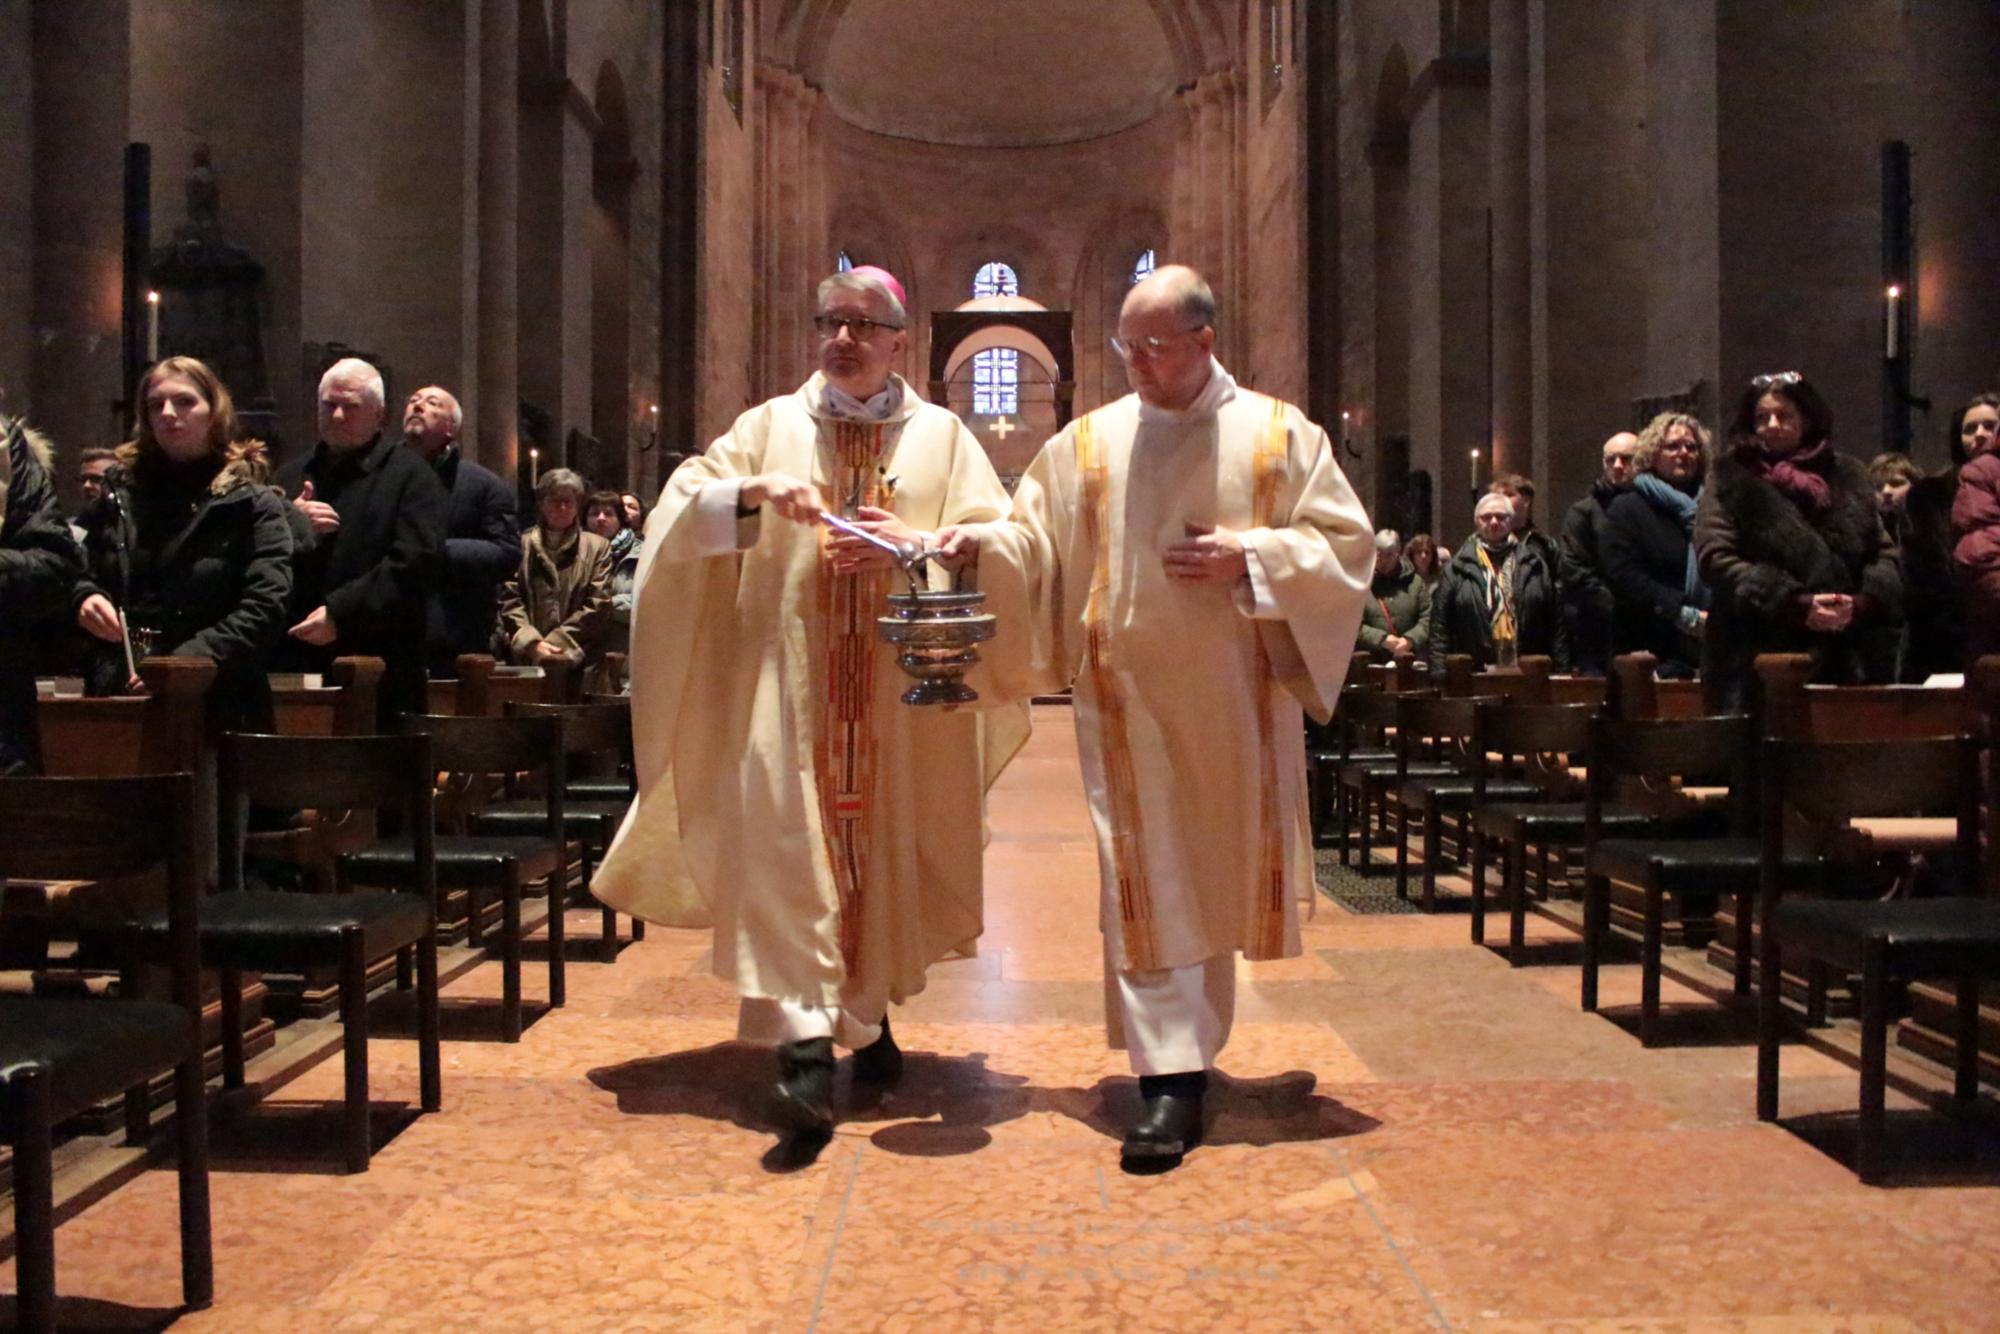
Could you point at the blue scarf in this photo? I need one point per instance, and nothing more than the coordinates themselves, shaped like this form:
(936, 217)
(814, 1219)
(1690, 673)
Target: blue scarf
(1673, 501)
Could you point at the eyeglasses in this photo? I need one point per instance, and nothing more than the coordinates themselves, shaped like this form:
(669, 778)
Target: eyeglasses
(1775, 381)
(829, 326)
(1133, 349)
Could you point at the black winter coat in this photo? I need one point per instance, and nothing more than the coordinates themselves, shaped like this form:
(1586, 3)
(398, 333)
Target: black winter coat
(40, 564)
(1644, 554)
(1761, 554)
(376, 574)
(1934, 639)
(207, 566)
(1459, 619)
(1587, 599)
(482, 549)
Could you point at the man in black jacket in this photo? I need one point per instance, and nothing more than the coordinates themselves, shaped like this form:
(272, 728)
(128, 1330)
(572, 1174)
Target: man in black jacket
(377, 515)
(1587, 600)
(40, 565)
(482, 539)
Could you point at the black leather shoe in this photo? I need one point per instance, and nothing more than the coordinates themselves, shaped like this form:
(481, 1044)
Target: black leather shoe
(803, 1097)
(1170, 1124)
(880, 1062)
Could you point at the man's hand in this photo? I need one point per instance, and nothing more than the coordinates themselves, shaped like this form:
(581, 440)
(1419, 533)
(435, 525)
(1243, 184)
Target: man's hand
(851, 555)
(1397, 645)
(792, 499)
(1830, 612)
(957, 546)
(322, 516)
(1208, 555)
(544, 651)
(99, 618)
(317, 629)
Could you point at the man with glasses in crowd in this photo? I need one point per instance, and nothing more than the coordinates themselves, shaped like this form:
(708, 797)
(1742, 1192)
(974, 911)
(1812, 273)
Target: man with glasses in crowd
(1191, 559)
(830, 835)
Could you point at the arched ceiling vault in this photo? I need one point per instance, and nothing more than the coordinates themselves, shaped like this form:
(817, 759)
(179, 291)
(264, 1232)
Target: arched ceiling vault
(1023, 73)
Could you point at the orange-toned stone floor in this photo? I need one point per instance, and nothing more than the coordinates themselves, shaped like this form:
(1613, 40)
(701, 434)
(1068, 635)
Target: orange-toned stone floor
(1410, 1135)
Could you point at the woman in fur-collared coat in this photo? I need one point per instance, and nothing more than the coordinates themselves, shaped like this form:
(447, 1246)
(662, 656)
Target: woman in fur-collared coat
(196, 556)
(1792, 549)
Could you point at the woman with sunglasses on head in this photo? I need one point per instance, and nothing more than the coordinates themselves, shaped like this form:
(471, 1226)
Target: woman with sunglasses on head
(1975, 523)
(1659, 603)
(1789, 543)
(195, 558)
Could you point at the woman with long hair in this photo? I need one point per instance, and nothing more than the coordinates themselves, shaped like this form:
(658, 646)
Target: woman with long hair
(1975, 523)
(1792, 549)
(194, 557)
(1659, 603)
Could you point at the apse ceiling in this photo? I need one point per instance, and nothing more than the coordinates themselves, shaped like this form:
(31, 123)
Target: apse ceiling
(994, 73)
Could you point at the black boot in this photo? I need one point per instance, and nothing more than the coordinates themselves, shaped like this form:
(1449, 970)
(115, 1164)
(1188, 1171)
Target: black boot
(880, 1062)
(803, 1098)
(1170, 1122)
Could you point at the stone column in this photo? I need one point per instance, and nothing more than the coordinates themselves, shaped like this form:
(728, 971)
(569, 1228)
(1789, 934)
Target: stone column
(17, 220)
(1514, 431)
(495, 427)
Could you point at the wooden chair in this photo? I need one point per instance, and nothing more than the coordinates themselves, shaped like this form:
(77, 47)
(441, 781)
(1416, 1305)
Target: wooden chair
(589, 730)
(342, 705)
(59, 1056)
(1523, 738)
(503, 748)
(1830, 784)
(619, 784)
(1442, 727)
(1373, 715)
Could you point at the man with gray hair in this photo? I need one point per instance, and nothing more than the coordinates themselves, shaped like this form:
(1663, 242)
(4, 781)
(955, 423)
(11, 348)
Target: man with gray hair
(482, 538)
(1395, 619)
(829, 834)
(1192, 561)
(376, 513)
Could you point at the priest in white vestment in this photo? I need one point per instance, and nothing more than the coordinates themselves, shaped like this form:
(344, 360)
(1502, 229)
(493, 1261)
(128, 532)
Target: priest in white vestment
(1191, 559)
(828, 833)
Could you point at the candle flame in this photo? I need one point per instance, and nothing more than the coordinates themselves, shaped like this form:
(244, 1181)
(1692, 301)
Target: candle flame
(1895, 290)
(153, 297)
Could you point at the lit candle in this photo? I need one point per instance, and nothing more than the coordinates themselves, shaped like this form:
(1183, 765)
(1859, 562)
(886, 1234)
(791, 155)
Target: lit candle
(534, 466)
(1891, 333)
(152, 327)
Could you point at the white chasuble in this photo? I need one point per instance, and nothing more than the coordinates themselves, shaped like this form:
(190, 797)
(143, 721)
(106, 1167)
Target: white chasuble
(830, 834)
(1188, 696)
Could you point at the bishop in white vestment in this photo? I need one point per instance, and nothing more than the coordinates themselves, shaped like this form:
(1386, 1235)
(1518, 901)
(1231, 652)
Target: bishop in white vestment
(1193, 561)
(829, 834)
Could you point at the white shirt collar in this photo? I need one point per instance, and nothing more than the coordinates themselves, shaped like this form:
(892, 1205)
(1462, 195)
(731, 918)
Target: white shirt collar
(837, 402)
(1221, 387)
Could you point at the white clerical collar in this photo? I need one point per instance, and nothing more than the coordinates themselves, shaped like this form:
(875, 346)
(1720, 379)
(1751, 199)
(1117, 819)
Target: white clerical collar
(837, 402)
(1221, 387)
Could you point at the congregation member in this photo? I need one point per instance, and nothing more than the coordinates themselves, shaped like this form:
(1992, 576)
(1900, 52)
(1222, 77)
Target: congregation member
(635, 511)
(1520, 493)
(1587, 600)
(482, 540)
(91, 467)
(1975, 524)
(1499, 600)
(607, 514)
(1395, 620)
(1659, 604)
(1421, 552)
(828, 833)
(555, 606)
(1191, 558)
(1792, 549)
(1916, 513)
(194, 558)
(376, 514)
(40, 565)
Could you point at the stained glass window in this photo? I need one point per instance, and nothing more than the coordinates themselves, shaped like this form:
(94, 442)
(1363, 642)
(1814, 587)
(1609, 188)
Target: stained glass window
(844, 264)
(996, 279)
(996, 382)
(1143, 269)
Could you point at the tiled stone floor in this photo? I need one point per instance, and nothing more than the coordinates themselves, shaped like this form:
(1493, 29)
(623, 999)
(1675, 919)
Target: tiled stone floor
(1410, 1135)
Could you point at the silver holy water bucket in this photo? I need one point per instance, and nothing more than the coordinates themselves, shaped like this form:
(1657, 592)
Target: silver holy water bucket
(935, 633)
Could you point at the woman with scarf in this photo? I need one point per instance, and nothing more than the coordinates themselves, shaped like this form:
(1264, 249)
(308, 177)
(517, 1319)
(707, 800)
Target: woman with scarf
(1791, 547)
(555, 606)
(195, 557)
(1660, 605)
(1498, 598)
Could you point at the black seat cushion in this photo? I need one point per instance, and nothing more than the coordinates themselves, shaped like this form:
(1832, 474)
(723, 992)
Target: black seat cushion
(271, 929)
(460, 860)
(1384, 771)
(1561, 821)
(93, 1048)
(1714, 865)
(1941, 930)
(1453, 792)
(593, 820)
